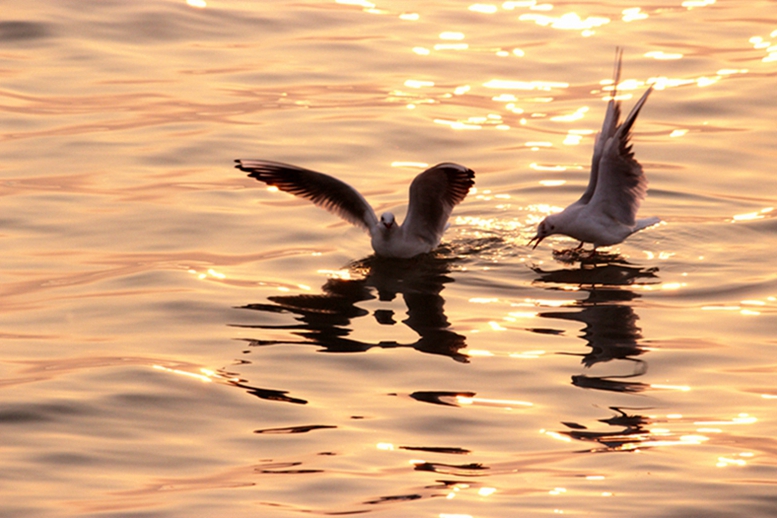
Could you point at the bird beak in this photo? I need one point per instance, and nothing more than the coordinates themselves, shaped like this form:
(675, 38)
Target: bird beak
(536, 238)
(388, 224)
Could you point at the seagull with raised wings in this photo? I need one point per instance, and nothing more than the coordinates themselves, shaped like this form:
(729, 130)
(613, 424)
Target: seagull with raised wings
(433, 194)
(606, 212)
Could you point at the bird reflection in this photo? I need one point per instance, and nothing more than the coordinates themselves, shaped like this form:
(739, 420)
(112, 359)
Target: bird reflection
(633, 432)
(610, 326)
(324, 319)
(268, 394)
(607, 271)
(610, 323)
(611, 333)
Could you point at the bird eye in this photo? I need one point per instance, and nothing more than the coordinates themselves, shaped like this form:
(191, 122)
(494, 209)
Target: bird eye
(553, 227)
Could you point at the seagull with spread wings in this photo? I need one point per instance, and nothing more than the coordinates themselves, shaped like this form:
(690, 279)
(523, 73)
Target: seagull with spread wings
(433, 194)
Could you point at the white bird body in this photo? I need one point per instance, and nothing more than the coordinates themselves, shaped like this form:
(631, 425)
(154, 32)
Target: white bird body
(433, 194)
(588, 225)
(605, 214)
(390, 239)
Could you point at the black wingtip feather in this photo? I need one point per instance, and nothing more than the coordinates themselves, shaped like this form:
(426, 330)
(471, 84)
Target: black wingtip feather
(460, 181)
(321, 189)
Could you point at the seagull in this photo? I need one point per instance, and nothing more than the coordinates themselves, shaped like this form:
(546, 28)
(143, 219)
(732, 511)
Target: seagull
(433, 194)
(606, 213)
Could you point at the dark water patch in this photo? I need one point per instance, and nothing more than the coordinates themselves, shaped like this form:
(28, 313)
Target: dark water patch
(285, 468)
(154, 23)
(294, 429)
(440, 397)
(473, 469)
(41, 413)
(437, 449)
(545, 330)
(268, 394)
(609, 384)
(22, 31)
(22, 416)
(68, 459)
(395, 498)
(630, 430)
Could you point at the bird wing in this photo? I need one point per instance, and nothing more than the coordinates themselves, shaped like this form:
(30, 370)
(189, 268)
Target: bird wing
(323, 190)
(433, 194)
(610, 125)
(621, 185)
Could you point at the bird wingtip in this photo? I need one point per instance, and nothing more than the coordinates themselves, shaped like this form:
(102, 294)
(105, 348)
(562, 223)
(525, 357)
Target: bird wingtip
(239, 164)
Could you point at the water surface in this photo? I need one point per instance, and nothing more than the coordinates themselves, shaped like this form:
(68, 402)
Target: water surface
(179, 341)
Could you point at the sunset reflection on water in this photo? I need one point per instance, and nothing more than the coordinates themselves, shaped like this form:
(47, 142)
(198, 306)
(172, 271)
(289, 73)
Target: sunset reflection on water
(179, 340)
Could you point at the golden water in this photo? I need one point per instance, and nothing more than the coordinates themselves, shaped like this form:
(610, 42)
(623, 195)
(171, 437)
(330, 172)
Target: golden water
(178, 341)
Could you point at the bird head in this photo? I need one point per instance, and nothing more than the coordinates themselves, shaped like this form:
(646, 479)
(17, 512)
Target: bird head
(387, 220)
(546, 228)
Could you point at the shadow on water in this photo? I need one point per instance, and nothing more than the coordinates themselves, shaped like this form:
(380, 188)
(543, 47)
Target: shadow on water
(324, 319)
(633, 432)
(611, 334)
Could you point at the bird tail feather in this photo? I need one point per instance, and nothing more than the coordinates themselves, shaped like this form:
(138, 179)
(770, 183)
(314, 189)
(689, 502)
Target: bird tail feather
(645, 223)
